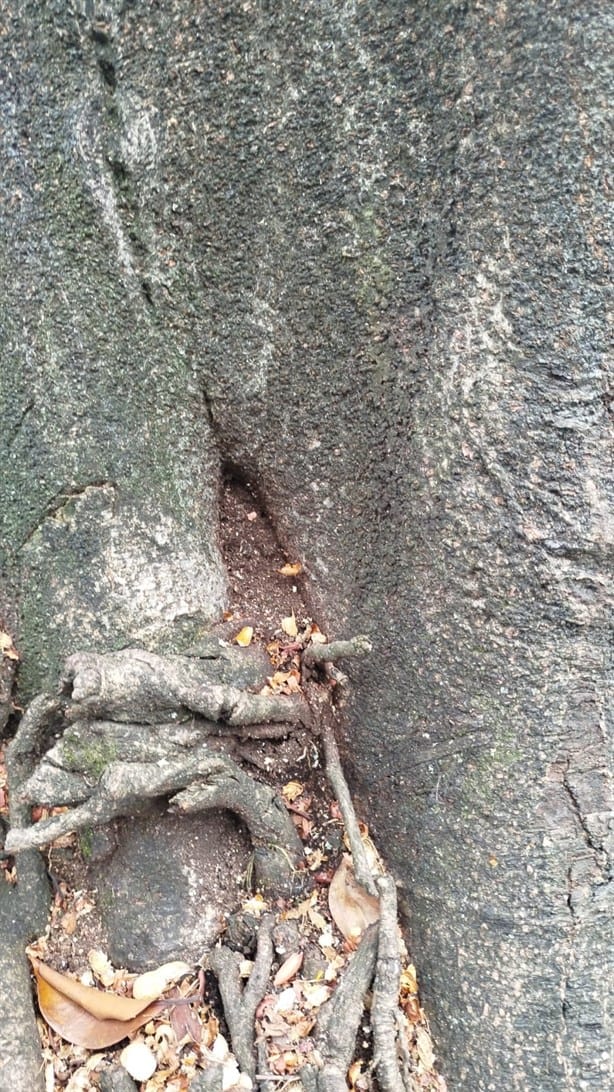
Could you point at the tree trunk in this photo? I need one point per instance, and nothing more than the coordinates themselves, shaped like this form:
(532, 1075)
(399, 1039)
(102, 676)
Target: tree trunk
(353, 252)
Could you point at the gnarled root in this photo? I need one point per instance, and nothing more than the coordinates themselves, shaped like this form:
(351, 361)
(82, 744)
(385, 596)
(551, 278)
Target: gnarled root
(339, 1018)
(239, 1003)
(135, 685)
(385, 1006)
(200, 780)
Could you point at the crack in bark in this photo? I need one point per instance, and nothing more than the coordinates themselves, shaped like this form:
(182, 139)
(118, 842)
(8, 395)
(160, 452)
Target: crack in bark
(20, 422)
(597, 848)
(62, 499)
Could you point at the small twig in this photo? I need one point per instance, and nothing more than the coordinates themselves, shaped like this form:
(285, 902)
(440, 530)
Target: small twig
(335, 775)
(386, 991)
(337, 650)
(240, 1004)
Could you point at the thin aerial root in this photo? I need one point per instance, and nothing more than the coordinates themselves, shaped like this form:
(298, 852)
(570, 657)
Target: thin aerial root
(335, 775)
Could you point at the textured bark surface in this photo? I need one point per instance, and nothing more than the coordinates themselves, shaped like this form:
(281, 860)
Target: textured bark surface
(355, 251)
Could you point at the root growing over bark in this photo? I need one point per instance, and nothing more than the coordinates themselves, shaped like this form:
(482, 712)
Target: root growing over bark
(137, 726)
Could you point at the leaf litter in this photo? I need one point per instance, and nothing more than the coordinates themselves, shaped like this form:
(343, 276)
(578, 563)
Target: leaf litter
(180, 1028)
(175, 1030)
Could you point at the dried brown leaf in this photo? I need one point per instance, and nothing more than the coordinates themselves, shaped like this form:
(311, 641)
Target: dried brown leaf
(153, 983)
(292, 790)
(244, 636)
(409, 982)
(352, 908)
(7, 648)
(289, 968)
(86, 1016)
(101, 966)
(424, 1046)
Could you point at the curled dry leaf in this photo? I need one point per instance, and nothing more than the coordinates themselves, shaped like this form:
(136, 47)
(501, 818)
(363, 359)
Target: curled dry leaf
(289, 625)
(409, 982)
(352, 908)
(244, 636)
(153, 983)
(288, 969)
(355, 1072)
(285, 682)
(424, 1046)
(291, 569)
(7, 648)
(101, 966)
(292, 790)
(315, 993)
(373, 857)
(86, 1016)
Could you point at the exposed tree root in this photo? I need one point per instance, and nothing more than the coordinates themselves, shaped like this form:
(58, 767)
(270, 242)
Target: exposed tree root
(326, 655)
(135, 685)
(200, 780)
(339, 1019)
(138, 726)
(32, 892)
(240, 1003)
(337, 650)
(384, 1008)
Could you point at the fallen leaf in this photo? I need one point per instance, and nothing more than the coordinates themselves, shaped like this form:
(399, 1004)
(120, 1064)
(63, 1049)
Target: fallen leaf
(304, 826)
(255, 904)
(409, 982)
(425, 1048)
(315, 993)
(317, 919)
(303, 907)
(412, 1010)
(7, 648)
(138, 1060)
(289, 968)
(289, 625)
(354, 1072)
(292, 790)
(84, 1015)
(219, 1049)
(351, 906)
(291, 569)
(153, 983)
(285, 682)
(286, 1000)
(244, 636)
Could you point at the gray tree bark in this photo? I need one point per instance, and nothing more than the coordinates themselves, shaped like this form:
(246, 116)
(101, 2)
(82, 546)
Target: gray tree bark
(356, 251)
